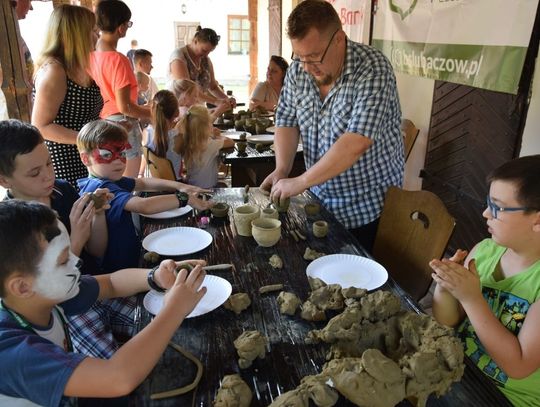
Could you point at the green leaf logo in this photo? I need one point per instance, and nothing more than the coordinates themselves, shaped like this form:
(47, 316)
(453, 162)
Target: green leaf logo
(403, 7)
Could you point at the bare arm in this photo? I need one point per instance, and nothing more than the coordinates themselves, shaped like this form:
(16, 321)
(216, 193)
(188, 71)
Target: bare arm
(51, 88)
(341, 156)
(119, 375)
(127, 107)
(179, 69)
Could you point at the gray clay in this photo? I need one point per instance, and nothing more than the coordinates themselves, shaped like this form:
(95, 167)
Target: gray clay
(234, 392)
(288, 303)
(250, 345)
(293, 398)
(275, 261)
(237, 302)
(327, 297)
(315, 283)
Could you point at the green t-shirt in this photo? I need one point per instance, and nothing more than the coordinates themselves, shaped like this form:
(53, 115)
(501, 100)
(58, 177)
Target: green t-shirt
(509, 299)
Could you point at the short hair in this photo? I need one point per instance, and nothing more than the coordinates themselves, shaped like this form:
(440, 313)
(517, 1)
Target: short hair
(523, 173)
(280, 61)
(207, 35)
(16, 138)
(134, 42)
(98, 132)
(111, 14)
(22, 224)
(310, 14)
(140, 54)
(68, 38)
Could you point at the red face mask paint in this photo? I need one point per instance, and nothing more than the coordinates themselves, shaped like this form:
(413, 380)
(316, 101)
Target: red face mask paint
(111, 151)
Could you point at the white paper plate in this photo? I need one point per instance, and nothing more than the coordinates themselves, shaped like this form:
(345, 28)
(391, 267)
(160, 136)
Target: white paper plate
(177, 241)
(234, 134)
(261, 138)
(348, 270)
(173, 213)
(217, 291)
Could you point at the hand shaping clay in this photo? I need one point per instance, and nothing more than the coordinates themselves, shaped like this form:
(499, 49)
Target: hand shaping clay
(234, 392)
(250, 345)
(237, 302)
(288, 303)
(275, 261)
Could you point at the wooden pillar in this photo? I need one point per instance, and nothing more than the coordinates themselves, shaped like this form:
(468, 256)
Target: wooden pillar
(253, 45)
(15, 83)
(274, 24)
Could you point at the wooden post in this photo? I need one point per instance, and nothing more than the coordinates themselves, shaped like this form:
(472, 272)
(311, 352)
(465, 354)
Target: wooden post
(15, 83)
(274, 24)
(253, 46)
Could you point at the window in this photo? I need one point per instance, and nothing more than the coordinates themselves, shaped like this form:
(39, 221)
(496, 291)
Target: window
(238, 27)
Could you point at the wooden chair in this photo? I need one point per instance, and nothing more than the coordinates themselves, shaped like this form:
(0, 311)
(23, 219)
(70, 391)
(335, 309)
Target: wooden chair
(158, 167)
(414, 228)
(410, 133)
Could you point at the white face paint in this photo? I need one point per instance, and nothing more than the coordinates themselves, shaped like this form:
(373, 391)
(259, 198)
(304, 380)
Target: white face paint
(56, 281)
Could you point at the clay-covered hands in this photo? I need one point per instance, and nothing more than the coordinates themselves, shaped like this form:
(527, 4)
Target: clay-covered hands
(285, 188)
(165, 275)
(462, 283)
(199, 203)
(186, 291)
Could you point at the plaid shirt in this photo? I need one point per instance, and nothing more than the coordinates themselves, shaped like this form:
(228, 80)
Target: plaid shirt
(364, 100)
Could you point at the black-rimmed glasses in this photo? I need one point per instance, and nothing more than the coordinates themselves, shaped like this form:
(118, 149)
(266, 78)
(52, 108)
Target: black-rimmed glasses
(495, 209)
(320, 61)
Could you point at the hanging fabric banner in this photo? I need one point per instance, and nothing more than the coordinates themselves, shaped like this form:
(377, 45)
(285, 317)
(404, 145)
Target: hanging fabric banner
(355, 18)
(480, 43)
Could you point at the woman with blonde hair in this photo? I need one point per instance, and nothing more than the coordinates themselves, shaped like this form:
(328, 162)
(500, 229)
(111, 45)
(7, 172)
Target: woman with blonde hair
(200, 147)
(65, 96)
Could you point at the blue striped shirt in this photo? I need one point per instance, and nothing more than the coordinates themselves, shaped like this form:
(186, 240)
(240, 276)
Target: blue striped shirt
(364, 100)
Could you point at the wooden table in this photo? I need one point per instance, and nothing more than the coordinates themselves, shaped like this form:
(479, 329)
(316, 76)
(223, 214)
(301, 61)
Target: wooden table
(210, 337)
(253, 167)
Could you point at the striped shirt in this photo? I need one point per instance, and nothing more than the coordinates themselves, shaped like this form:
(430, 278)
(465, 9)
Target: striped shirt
(364, 100)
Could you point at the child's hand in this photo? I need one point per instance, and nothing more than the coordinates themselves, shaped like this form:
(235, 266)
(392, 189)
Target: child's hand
(459, 256)
(80, 218)
(198, 203)
(165, 275)
(191, 189)
(462, 283)
(186, 291)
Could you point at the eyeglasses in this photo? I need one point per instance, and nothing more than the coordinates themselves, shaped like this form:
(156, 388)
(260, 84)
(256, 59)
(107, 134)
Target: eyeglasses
(495, 209)
(320, 61)
(129, 24)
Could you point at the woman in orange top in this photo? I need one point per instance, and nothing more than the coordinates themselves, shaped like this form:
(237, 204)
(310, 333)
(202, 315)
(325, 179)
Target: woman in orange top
(112, 72)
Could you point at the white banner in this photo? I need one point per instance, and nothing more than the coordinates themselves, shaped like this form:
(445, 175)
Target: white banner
(480, 43)
(355, 18)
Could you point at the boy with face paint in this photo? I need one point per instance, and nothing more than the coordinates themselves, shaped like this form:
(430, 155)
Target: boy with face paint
(103, 145)
(40, 285)
(26, 171)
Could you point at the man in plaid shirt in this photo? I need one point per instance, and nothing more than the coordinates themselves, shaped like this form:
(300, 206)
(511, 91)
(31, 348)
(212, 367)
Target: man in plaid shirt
(341, 98)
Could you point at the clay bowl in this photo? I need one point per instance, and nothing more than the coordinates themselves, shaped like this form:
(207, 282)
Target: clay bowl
(269, 213)
(241, 147)
(266, 231)
(320, 228)
(312, 209)
(220, 210)
(243, 215)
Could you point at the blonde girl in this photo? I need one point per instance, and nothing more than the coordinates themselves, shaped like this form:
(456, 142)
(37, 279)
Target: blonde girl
(161, 135)
(200, 147)
(187, 93)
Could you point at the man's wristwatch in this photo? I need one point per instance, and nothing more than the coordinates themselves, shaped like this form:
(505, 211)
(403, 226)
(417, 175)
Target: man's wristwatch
(182, 197)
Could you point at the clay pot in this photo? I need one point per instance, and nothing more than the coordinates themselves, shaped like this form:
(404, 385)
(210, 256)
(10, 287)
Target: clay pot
(282, 205)
(241, 147)
(220, 210)
(239, 125)
(260, 128)
(269, 213)
(312, 209)
(266, 231)
(320, 228)
(243, 215)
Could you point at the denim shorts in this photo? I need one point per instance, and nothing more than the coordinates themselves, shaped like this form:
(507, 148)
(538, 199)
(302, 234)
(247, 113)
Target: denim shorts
(134, 134)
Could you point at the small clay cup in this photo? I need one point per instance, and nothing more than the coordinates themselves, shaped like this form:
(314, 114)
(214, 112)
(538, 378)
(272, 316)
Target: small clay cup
(220, 210)
(312, 209)
(269, 213)
(320, 228)
(243, 215)
(282, 205)
(266, 231)
(241, 147)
